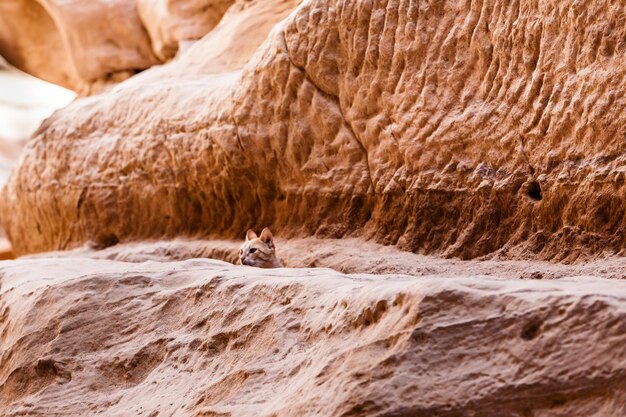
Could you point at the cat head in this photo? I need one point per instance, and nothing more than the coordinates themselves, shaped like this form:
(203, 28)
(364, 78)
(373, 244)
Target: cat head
(259, 251)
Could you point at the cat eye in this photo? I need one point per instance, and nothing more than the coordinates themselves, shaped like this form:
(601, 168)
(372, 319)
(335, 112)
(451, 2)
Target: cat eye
(252, 250)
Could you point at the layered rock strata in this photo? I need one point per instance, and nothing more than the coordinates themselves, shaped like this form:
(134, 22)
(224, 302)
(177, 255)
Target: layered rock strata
(205, 338)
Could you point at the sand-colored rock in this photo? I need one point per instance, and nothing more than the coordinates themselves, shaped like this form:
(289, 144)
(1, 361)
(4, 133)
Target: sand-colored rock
(458, 128)
(455, 128)
(77, 44)
(205, 338)
(351, 256)
(88, 45)
(24, 102)
(172, 22)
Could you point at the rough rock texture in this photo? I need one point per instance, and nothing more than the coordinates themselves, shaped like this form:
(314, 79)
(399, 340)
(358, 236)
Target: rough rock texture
(205, 338)
(452, 127)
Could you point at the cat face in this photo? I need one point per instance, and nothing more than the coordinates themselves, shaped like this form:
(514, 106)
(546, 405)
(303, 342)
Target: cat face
(259, 251)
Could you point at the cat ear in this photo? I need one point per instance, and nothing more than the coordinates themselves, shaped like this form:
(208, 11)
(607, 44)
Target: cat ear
(250, 234)
(267, 237)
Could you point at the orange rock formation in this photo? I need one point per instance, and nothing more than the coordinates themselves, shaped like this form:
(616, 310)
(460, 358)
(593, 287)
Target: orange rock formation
(454, 128)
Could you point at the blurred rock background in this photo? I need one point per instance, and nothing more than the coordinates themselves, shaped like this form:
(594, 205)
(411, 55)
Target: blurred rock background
(25, 102)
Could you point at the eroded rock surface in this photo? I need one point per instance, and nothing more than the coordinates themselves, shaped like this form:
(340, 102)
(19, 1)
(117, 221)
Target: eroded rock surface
(352, 256)
(458, 128)
(455, 128)
(202, 337)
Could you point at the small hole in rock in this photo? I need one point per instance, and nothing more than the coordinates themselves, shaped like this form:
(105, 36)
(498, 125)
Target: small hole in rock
(105, 241)
(534, 191)
(558, 401)
(531, 330)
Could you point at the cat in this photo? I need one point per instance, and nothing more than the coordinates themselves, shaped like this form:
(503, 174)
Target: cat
(259, 251)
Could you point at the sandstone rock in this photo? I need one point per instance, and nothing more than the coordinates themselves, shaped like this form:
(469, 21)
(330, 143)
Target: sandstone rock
(171, 22)
(350, 256)
(24, 102)
(75, 43)
(201, 337)
(89, 45)
(455, 128)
